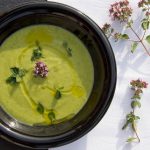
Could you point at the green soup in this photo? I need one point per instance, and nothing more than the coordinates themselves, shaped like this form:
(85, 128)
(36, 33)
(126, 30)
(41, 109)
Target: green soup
(33, 99)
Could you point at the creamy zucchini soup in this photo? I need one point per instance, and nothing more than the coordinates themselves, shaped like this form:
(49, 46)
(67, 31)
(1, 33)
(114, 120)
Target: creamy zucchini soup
(46, 75)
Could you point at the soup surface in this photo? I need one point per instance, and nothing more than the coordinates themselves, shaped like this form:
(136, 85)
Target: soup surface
(46, 75)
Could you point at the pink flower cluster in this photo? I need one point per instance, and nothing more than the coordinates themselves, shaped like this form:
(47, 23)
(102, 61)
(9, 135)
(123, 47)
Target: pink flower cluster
(40, 69)
(120, 10)
(138, 84)
(142, 3)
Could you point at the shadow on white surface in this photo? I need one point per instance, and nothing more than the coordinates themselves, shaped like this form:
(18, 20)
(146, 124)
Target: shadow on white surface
(127, 146)
(80, 144)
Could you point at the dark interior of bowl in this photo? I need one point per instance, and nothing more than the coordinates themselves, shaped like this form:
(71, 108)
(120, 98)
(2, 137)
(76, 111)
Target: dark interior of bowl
(104, 74)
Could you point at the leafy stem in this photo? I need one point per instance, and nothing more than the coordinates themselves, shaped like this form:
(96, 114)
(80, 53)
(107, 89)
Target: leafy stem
(131, 118)
(16, 75)
(37, 52)
(43, 111)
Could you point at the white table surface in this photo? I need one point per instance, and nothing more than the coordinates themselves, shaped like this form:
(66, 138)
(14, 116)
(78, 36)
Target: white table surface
(107, 135)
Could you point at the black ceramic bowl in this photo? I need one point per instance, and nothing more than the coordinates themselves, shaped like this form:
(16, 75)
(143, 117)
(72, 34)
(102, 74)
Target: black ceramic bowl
(104, 74)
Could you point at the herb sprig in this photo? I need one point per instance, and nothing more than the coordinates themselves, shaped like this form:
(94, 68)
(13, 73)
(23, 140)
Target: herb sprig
(37, 53)
(121, 11)
(40, 108)
(131, 119)
(16, 76)
(67, 48)
(51, 115)
(58, 93)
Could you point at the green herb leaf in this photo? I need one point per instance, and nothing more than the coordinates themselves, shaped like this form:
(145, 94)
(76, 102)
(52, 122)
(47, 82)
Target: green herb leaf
(130, 117)
(67, 48)
(40, 108)
(131, 139)
(14, 70)
(18, 72)
(11, 80)
(37, 53)
(136, 96)
(124, 37)
(135, 104)
(16, 76)
(137, 117)
(148, 39)
(118, 36)
(134, 46)
(58, 94)
(145, 25)
(51, 116)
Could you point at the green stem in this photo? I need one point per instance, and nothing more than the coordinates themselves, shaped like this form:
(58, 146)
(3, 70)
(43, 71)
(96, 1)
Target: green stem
(134, 127)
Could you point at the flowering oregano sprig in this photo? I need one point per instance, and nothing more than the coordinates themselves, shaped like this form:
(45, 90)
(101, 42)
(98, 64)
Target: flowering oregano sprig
(131, 119)
(122, 12)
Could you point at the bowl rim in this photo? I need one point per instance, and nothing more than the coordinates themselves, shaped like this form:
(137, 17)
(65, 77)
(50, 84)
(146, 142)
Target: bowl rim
(111, 57)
